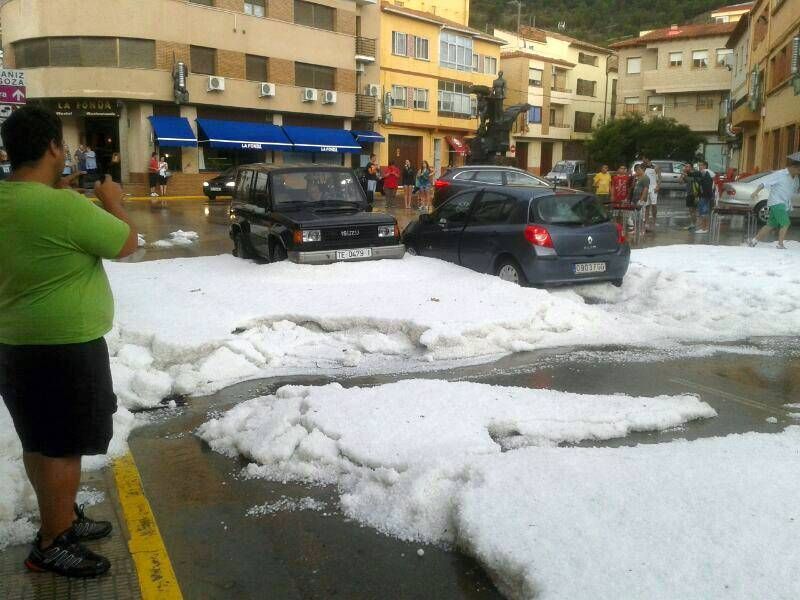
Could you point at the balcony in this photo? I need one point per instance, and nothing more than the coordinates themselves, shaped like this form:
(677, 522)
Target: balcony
(560, 125)
(366, 2)
(366, 50)
(562, 89)
(366, 106)
(685, 80)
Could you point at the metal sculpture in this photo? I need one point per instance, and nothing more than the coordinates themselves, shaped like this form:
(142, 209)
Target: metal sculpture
(490, 144)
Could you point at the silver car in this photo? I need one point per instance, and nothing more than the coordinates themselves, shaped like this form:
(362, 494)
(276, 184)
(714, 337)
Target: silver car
(670, 173)
(739, 193)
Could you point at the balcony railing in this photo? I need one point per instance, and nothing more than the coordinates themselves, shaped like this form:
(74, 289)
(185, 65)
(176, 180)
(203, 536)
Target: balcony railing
(562, 89)
(365, 105)
(366, 47)
(560, 125)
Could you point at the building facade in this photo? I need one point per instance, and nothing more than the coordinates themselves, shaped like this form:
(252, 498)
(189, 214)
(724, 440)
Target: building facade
(682, 72)
(428, 62)
(732, 13)
(107, 68)
(769, 119)
(570, 86)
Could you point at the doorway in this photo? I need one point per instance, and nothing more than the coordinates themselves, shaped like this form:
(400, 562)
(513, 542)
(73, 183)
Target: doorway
(546, 163)
(522, 155)
(405, 147)
(102, 136)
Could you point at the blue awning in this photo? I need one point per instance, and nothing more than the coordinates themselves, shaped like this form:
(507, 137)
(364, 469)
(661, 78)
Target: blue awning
(241, 135)
(173, 131)
(314, 139)
(367, 137)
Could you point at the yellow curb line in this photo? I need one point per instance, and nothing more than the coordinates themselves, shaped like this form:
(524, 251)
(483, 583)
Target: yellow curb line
(157, 579)
(169, 198)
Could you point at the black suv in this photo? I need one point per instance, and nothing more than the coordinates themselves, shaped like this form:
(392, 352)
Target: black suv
(310, 215)
(459, 179)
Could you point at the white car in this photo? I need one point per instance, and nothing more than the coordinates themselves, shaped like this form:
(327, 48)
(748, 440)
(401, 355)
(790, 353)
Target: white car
(739, 193)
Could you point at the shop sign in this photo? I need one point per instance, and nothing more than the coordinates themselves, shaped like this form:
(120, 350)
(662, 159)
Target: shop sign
(251, 146)
(86, 108)
(12, 77)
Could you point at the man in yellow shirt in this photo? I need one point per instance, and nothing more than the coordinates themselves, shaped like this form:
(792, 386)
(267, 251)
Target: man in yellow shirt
(602, 185)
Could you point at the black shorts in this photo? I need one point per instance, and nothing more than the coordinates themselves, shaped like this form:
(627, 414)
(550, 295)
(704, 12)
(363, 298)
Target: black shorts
(153, 179)
(162, 179)
(60, 398)
(690, 201)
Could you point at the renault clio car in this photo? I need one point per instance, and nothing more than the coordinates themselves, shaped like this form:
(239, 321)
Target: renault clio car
(307, 214)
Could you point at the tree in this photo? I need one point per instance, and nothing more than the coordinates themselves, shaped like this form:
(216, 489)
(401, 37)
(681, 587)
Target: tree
(620, 141)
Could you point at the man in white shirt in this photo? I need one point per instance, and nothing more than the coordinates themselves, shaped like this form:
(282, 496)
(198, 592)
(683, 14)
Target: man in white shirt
(651, 207)
(782, 186)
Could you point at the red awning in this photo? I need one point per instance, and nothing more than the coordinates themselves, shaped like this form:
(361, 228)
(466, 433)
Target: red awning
(458, 145)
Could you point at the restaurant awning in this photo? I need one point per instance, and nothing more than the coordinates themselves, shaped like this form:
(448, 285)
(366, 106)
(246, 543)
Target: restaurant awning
(317, 139)
(367, 137)
(242, 135)
(173, 132)
(458, 145)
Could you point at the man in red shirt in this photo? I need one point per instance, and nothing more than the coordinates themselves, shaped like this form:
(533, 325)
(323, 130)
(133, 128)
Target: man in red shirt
(620, 187)
(391, 180)
(153, 173)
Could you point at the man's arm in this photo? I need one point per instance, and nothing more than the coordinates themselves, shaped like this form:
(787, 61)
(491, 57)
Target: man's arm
(110, 195)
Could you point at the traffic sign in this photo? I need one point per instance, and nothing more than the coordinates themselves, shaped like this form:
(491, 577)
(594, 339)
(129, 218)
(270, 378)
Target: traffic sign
(12, 77)
(13, 94)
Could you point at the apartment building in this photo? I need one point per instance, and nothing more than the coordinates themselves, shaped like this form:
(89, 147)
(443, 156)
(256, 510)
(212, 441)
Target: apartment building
(281, 81)
(682, 72)
(769, 118)
(569, 84)
(732, 13)
(429, 59)
(742, 119)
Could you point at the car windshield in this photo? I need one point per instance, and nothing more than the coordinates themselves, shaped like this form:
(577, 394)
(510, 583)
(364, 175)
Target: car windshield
(315, 187)
(755, 177)
(570, 210)
(563, 167)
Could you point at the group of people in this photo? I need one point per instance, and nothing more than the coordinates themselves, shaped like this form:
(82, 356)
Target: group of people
(83, 166)
(641, 190)
(413, 181)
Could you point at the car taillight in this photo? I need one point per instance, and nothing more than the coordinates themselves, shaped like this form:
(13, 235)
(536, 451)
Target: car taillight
(730, 191)
(620, 234)
(538, 236)
(441, 183)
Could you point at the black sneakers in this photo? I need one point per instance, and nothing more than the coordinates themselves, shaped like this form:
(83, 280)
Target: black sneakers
(66, 557)
(85, 528)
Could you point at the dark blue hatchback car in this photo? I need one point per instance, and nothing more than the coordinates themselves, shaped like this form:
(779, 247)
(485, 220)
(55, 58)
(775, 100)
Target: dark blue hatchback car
(528, 235)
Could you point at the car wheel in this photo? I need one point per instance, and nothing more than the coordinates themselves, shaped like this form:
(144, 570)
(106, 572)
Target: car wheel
(278, 253)
(239, 246)
(761, 211)
(509, 270)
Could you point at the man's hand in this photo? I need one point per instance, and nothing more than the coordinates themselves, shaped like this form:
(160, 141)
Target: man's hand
(65, 183)
(108, 191)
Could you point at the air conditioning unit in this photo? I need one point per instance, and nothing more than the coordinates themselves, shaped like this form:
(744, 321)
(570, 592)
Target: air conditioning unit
(266, 90)
(374, 90)
(309, 95)
(328, 97)
(216, 84)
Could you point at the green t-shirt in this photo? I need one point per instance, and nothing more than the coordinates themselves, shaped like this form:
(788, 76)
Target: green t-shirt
(53, 289)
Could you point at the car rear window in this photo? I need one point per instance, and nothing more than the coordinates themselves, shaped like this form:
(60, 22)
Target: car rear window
(568, 209)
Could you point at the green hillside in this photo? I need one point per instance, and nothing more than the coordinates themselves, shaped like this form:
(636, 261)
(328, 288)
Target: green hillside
(598, 21)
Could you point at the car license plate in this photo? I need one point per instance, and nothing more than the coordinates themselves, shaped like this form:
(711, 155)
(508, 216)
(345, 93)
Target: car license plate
(215, 189)
(351, 254)
(584, 268)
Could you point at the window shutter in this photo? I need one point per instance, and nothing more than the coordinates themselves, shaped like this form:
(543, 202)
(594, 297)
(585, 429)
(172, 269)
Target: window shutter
(481, 63)
(410, 45)
(409, 97)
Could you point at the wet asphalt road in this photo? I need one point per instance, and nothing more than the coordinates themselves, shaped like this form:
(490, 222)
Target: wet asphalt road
(218, 552)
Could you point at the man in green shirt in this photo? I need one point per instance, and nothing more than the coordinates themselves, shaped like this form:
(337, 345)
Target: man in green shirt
(55, 307)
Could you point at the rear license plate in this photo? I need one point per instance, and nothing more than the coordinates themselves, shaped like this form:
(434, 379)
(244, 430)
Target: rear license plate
(215, 189)
(584, 268)
(351, 254)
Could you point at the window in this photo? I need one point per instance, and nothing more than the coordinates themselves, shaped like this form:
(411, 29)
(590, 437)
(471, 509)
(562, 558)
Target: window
(655, 105)
(632, 104)
(700, 59)
(261, 189)
(676, 59)
(705, 101)
(587, 59)
(32, 53)
(586, 88)
(456, 209)
(255, 68)
(724, 56)
(314, 15)
(780, 66)
(514, 178)
(137, 54)
(399, 43)
(535, 77)
(559, 83)
(422, 48)
(583, 122)
(256, 8)
(203, 2)
(455, 100)
(535, 114)
(455, 51)
(490, 65)
(244, 185)
(314, 76)
(634, 66)
(476, 62)
(203, 60)
(494, 209)
(553, 117)
(489, 177)
(421, 99)
(399, 96)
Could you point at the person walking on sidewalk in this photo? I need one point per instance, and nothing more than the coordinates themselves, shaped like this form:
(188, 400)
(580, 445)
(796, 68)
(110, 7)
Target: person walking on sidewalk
(391, 180)
(152, 174)
(163, 176)
(782, 185)
(55, 307)
(409, 180)
(425, 184)
(706, 198)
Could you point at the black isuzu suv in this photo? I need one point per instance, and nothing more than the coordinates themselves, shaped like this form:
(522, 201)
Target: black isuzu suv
(310, 215)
